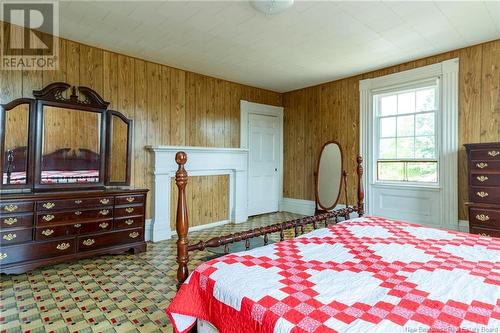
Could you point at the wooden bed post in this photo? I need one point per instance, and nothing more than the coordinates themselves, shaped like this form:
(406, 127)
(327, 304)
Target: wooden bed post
(182, 220)
(361, 192)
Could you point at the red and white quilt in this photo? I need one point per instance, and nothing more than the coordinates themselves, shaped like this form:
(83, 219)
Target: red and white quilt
(364, 275)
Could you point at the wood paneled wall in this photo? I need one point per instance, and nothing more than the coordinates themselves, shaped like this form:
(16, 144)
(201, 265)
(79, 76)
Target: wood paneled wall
(169, 106)
(330, 111)
(207, 200)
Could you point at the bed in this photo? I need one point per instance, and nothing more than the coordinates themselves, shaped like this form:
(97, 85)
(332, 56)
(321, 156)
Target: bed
(368, 274)
(62, 166)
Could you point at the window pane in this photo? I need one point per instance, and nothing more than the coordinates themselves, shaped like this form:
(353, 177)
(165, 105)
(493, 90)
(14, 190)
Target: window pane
(425, 124)
(425, 147)
(388, 127)
(426, 100)
(388, 105)
(422, 172)
(405, 148)
(406, 126)
(387, 148)
(406, 102)
(391, 171)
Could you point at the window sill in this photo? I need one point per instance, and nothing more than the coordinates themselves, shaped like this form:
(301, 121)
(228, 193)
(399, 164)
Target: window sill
(435, 187)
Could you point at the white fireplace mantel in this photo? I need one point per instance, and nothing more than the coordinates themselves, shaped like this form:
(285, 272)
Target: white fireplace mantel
(201, 161)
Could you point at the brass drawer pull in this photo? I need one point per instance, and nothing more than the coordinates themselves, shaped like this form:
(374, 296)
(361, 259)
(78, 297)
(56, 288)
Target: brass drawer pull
(63, 246)
(48, 218)
(482, 217)
(130, 199)
(134, 234)
(484, 234)
(78, 212)
(3, 256)
(78, 201)
(10, 221)
(11, 208)
(49, 205)
(104, 201)
(78, 225)
(482, 178)
(104, 212)
(482, 194)
(103, 225)
(494, 153)
(47, 232)
(129, 222)
(88, 242)
(481, 165)
(129, 210)
(9, 237)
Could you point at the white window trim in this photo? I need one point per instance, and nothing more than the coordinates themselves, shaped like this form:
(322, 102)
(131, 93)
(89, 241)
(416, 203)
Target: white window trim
(447, 71)
(437, 124)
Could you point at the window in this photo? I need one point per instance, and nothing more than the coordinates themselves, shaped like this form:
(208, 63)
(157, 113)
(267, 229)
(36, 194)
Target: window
(406, 134)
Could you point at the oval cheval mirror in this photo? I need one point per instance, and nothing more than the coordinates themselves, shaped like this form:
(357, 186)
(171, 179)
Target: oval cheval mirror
(329, 177)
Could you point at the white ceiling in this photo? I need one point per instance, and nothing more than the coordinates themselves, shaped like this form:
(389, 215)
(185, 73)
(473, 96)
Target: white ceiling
(311, 43)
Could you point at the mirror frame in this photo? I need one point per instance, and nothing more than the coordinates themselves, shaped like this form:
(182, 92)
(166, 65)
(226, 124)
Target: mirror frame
(4, 108)
(55, 94)
(317, 176)
(109, 150)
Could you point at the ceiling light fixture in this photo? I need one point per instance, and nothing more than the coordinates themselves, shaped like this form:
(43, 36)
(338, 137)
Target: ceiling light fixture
(271, 7)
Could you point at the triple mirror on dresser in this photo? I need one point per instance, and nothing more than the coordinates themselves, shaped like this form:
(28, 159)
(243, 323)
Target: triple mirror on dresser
(64, 158)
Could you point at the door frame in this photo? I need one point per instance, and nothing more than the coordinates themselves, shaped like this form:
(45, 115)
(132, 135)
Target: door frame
(447, 71)
(247, 108)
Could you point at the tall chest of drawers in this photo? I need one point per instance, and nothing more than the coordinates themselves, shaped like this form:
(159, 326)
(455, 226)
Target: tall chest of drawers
(484, 188)
(38, 229)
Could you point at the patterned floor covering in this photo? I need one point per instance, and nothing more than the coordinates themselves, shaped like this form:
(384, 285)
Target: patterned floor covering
(116, 293)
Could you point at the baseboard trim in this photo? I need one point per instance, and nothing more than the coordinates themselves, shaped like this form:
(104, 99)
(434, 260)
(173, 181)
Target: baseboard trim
(300, 206)
(204, 226)
(297, 206)
(148, 230)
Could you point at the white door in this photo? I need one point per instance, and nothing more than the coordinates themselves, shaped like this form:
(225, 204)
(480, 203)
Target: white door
(264, 163)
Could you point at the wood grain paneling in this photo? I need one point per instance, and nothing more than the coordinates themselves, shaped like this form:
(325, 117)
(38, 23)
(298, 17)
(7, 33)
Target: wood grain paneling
(207, 200)
(169, 106)
(330, 111)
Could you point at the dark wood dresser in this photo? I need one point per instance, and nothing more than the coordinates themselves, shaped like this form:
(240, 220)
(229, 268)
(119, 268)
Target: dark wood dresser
(38, 229)
(484, 188)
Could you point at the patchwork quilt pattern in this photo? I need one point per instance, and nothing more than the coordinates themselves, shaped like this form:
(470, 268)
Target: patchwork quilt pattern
(365, 275)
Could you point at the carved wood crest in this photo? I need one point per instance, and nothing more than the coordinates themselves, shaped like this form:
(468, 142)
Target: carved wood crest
(85, 97)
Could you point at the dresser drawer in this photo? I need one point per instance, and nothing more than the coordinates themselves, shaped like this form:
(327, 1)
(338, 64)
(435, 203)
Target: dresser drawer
(485, 232)
(484, 165)
(49, 232)
(485, 154)
(16, 221)
(93, 242)
(32, 251)
(15, 236)
(484, 217)
(484, 194)
(129, 222)
(129, 199)
(9, 207)
(485, 179)
(129, 211)
(64, 217)
(52, 205)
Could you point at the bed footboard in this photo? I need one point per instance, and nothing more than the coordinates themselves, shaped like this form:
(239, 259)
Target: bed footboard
(298, 225)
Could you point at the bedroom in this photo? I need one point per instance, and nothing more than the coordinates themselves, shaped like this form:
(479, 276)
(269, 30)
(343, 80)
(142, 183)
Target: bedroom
(89, 174)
